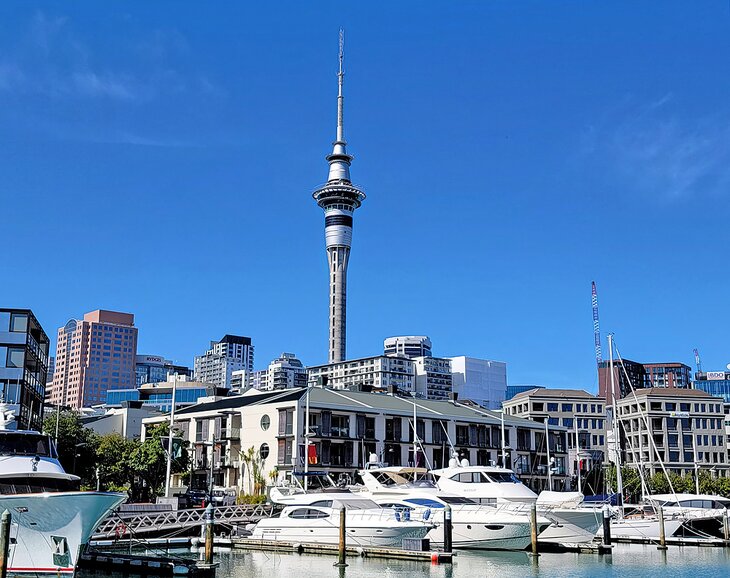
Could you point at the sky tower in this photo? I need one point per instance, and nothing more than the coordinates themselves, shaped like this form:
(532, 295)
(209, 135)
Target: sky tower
(339, 198)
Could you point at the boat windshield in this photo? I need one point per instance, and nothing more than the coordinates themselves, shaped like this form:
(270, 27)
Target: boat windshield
(14, 444)
(456, 500)
(503, 477)
(405, 479)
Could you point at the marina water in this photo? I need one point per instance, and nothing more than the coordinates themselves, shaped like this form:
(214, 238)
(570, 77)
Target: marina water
(627, 561)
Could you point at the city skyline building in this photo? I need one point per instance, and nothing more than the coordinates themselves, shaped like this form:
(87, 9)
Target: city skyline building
(339, 198)
(284, 372)
(231, 353)
(24, 348)
(481, 380)
(408, 345)
(671, 374)
(94, 355)
(155, 369)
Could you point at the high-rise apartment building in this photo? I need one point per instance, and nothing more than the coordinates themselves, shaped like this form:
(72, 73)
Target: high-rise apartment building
(23, 366)
(408, 346)
(284, 372)
(630, 374)
(94, 355)
(231, 353)
(339, 198)
(480, 380)
(383, 372)
(433, 377)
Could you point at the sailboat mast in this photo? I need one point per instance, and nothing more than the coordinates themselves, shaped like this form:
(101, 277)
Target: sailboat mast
(614, 427)
(547, 448)
(504, 446)
(306, 440)
(577, 454)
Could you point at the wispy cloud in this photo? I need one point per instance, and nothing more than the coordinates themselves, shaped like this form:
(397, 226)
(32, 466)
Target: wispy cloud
(663, 152)
(52, 59)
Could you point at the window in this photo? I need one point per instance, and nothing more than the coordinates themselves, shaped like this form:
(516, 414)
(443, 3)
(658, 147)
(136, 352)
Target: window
(16, 357)
(18, 322)
(264, 451)
(308, 514)
(537, 406)
(568, 407)
(552, 407)
(553, 421)
(265, 422)
(567, 422)
(671, 406)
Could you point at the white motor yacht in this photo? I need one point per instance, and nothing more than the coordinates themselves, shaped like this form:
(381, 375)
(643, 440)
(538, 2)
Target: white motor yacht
(315, 517)
(413, 493)
(495, 485)
(51, 520)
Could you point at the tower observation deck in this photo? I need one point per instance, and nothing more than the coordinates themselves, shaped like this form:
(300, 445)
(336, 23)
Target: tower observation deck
(339, 198)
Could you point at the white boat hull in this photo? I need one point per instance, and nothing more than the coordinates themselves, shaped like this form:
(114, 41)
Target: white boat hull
(329, 533)
(49, 530)
(642, 528)
(571, 526)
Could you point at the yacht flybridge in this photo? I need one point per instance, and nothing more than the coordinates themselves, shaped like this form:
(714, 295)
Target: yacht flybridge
(412, 492)
(51, 519)
(494, 485)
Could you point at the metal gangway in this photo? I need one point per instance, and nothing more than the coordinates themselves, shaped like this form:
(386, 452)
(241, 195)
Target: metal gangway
(133, 524)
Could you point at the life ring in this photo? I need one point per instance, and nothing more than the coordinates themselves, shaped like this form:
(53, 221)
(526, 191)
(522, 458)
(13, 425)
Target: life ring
(120, 530)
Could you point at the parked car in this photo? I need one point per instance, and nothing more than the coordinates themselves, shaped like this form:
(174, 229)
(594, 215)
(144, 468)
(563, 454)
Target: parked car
(195, 498)
(224, 496)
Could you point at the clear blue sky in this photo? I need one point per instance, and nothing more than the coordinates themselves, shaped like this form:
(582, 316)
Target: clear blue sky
(158, 158)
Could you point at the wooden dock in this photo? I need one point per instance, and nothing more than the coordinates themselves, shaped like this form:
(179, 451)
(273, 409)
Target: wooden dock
(674, 541)
(332, 549)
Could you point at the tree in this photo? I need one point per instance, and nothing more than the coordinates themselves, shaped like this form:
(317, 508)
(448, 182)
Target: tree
(76, 445)
(148, 461)
(113, 462)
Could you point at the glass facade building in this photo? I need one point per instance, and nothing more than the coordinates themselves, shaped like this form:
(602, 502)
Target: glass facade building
(24, 350)
(716, 383)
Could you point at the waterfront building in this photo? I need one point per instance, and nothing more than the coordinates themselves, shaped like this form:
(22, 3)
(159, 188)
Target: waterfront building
(284, 372)
(378, 373)
(339, 198)
(24, 348)
(433, 377)
(574, 409)
(641, 375)
(94, 355)
(675, 426)
(408, 346)
(349, 426)
(231, 353)
(155, 368)
(481, 380)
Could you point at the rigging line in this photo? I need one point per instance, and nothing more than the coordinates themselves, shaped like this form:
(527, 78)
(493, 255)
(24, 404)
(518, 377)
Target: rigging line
(645, 419)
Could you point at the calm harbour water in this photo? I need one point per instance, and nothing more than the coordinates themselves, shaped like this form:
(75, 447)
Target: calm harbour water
(626, 562)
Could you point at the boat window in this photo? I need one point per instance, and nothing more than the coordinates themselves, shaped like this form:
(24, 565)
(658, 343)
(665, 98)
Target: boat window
(308, 514)
(425, 502)
(398, 507)
(722, 503)
(32, 484)
(24, 445)
(322, 503)
(456, 500)
(503, 477)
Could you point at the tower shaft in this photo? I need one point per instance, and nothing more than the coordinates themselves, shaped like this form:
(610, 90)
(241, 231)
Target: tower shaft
(339, 198)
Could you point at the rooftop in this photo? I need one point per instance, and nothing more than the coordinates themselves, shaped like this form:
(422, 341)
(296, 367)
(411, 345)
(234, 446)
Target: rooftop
(546, 392)
(668, 392)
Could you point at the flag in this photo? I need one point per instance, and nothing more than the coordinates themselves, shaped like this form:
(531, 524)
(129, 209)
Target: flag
(312, 454)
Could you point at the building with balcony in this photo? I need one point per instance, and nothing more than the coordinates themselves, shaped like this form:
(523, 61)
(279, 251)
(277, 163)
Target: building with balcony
(231, 353)
(284, 372)
(379, 373)
(480, 380)
(582, 414)
(346, 427)
(433, 377)
(676, 427)
(24, 348)
(630, 374)
(158, 396)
